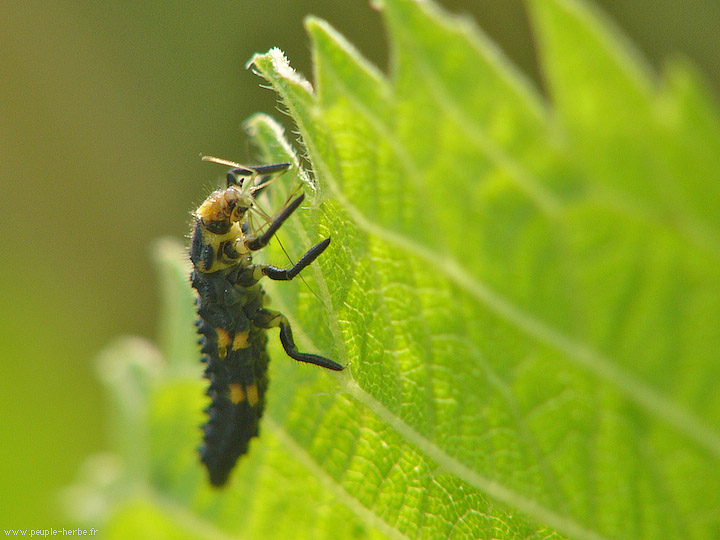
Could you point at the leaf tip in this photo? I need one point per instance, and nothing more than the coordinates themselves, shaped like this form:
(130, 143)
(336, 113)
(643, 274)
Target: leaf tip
(275, 65)
(312, 22)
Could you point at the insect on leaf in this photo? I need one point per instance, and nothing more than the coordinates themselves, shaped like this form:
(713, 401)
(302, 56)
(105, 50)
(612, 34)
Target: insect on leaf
(525, 288)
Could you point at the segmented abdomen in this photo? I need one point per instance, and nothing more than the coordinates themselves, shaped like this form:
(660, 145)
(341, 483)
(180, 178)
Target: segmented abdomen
(234, 351)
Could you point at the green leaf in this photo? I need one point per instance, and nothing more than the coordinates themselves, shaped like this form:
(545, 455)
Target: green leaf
(526, 294)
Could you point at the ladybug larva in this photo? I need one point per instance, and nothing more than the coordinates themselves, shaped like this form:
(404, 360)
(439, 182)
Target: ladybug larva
(232, 319)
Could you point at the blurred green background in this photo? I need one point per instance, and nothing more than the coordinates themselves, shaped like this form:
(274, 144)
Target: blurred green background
(104, 110)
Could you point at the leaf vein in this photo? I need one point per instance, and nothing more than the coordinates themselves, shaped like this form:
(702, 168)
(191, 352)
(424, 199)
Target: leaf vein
(452, 465)
(354, 505)
(582, 355)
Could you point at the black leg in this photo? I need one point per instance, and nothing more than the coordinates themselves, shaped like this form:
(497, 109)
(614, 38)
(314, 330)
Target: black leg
(258, 242)
(286, 274)
(266, 170)
(265, 318)
(271, 169)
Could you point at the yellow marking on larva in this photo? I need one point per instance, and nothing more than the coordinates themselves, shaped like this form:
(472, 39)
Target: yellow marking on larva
(237, 394)
(241, 340)
(252, 394)
(223, 340)
(234, 236)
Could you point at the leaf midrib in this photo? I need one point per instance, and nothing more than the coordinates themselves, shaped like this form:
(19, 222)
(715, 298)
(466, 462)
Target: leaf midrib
(584, 356)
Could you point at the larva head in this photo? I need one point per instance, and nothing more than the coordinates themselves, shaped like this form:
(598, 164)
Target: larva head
(223, 208)
(227, 206)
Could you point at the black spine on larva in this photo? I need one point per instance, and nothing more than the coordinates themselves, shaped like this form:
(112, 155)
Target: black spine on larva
(237, 376)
